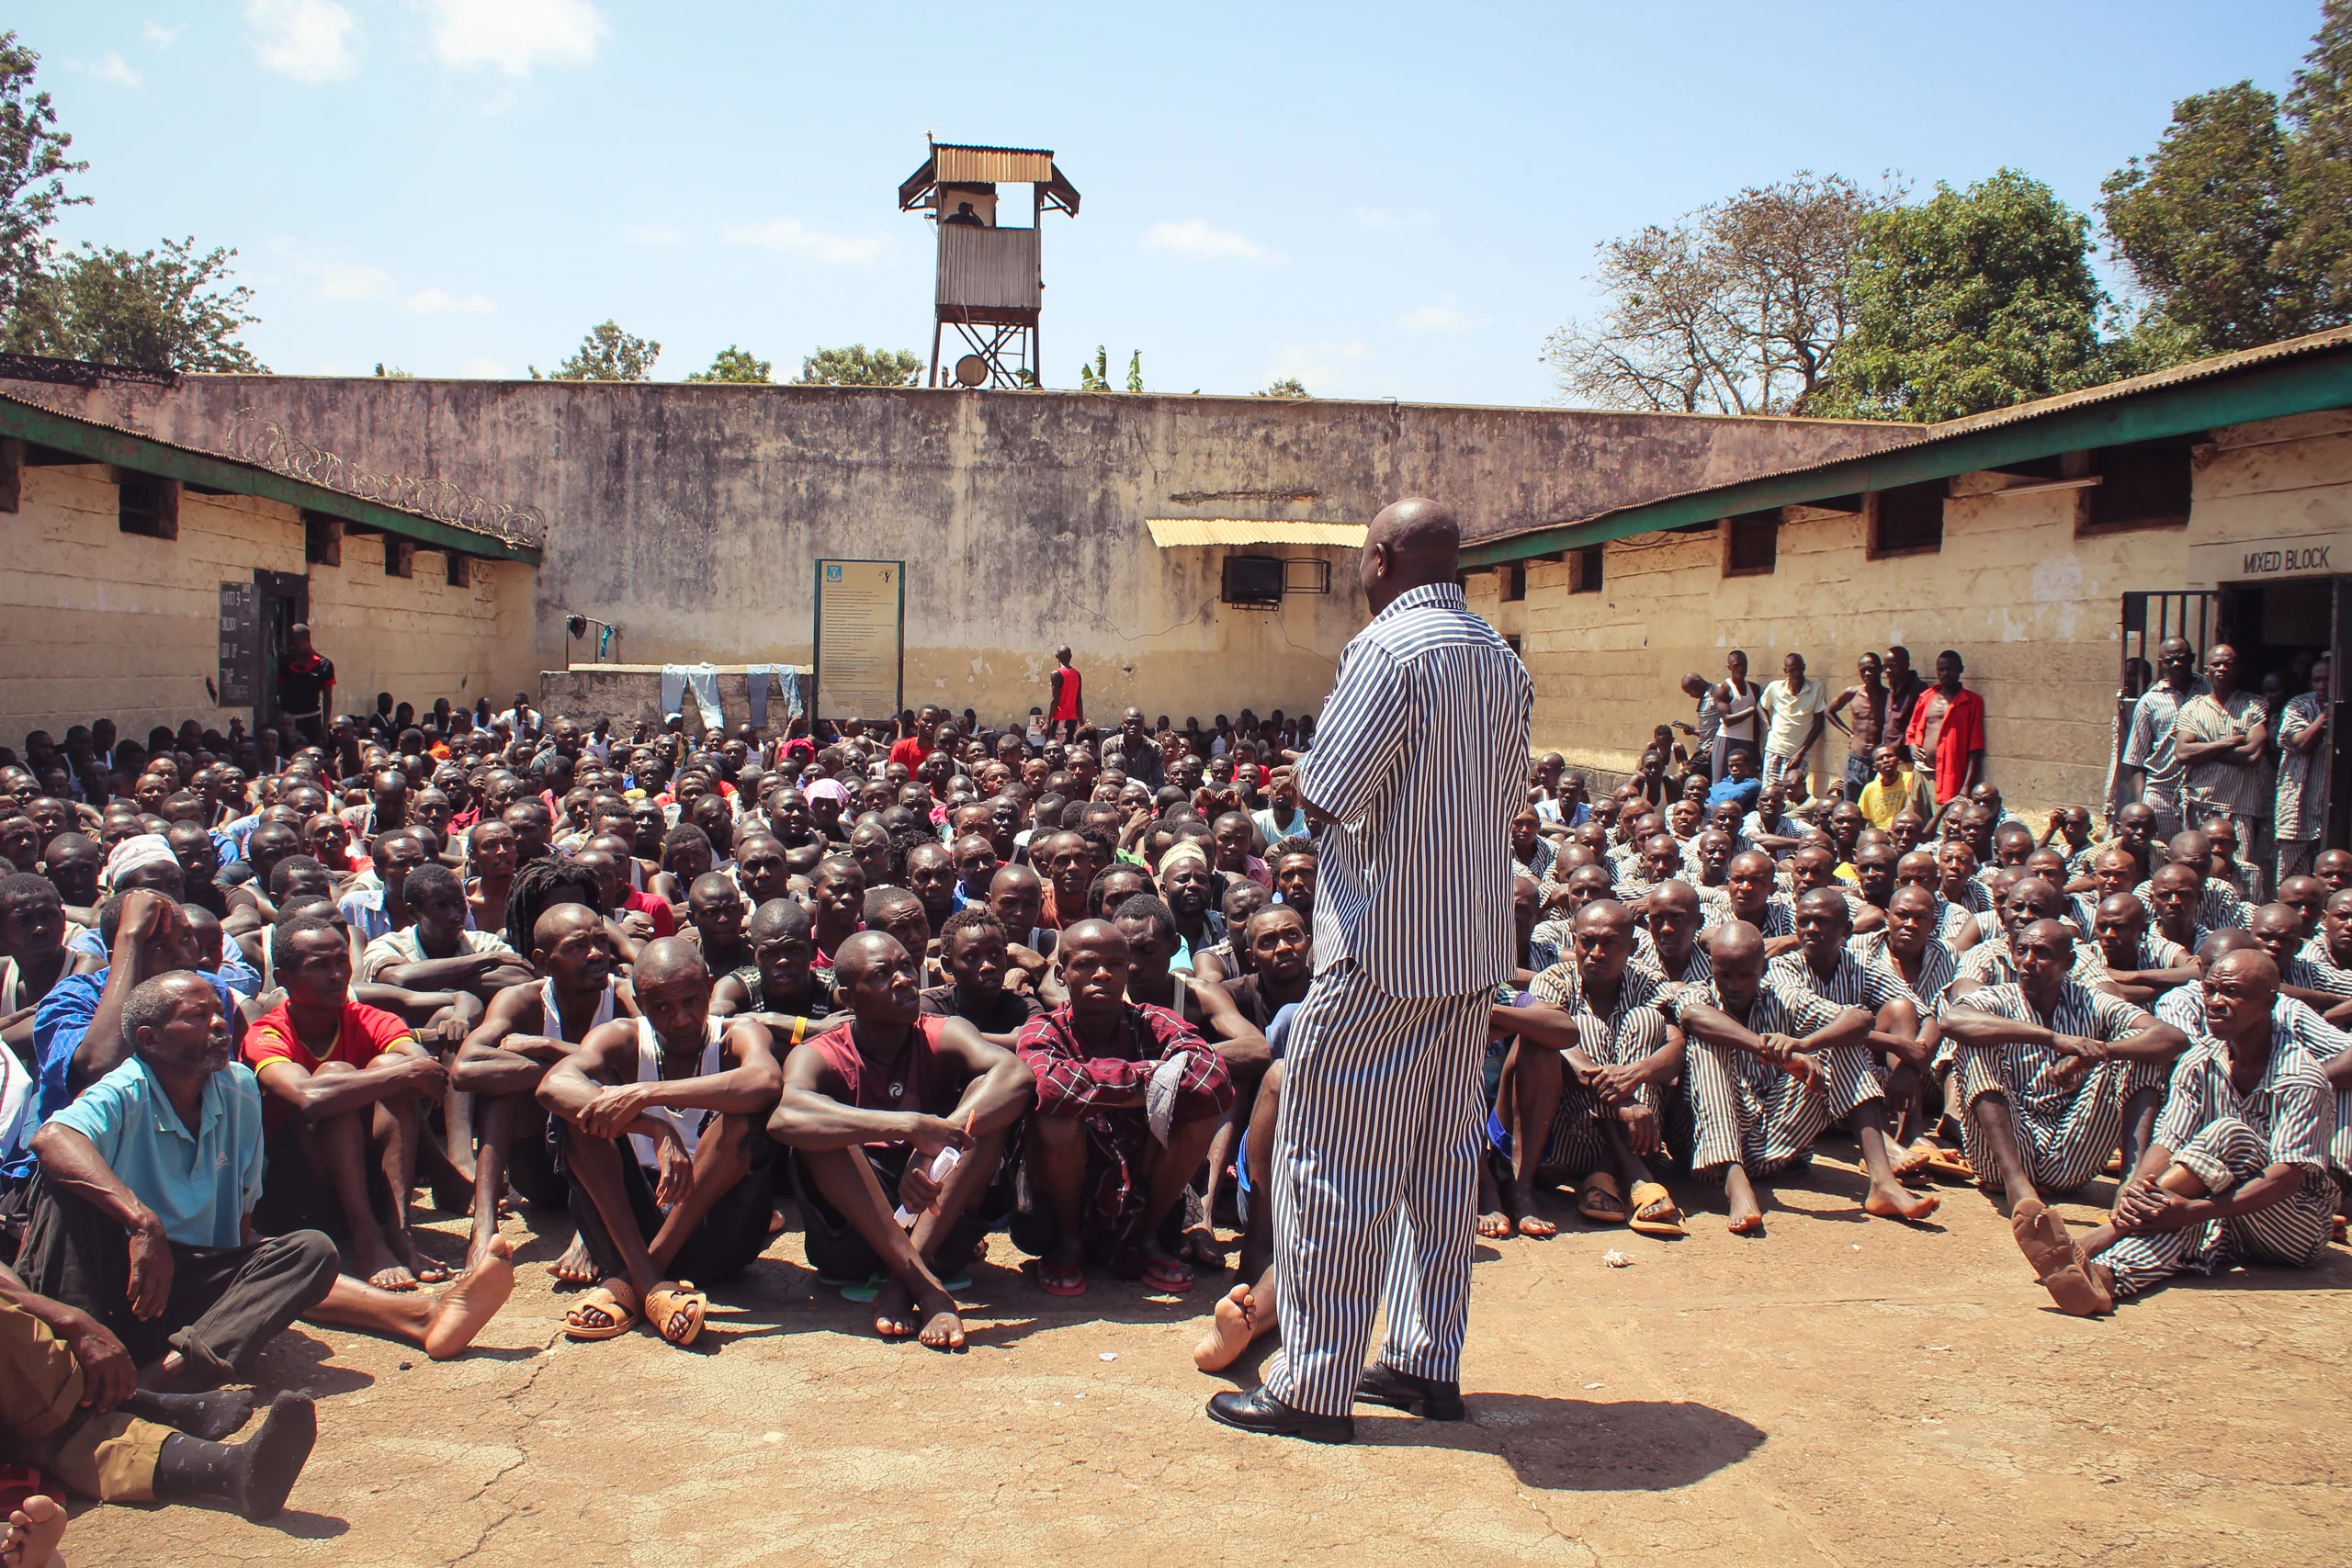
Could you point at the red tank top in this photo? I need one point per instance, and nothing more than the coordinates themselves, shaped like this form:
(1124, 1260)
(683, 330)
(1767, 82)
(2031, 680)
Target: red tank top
(918, 1081)
(1065, 693)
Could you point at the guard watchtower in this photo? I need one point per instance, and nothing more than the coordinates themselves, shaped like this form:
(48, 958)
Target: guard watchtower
(989, 279)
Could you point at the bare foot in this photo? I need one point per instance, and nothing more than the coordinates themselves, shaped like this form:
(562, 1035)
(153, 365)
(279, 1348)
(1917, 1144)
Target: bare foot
(1913, 1160)
(34, 1531)
(1494, 1226)
(1747, 1216)
(941, 1329)
(893, 1312)
(426, 1270)
(1232, 1326)
(575, 1267)
(1894, 1203)
(464, 1309)
(1200, 1246)
(1536, 1227)
(377, 1264)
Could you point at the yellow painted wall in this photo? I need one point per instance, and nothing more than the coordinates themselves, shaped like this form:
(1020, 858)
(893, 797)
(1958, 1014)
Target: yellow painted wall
(2033, 610)
(94, 621)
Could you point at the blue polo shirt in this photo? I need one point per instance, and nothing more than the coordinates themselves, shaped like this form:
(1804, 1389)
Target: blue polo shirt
(63, 1020)
(201, 1184)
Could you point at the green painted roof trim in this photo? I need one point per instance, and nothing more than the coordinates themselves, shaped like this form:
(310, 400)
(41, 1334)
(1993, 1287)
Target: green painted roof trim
(104, 444)
(2290, 389)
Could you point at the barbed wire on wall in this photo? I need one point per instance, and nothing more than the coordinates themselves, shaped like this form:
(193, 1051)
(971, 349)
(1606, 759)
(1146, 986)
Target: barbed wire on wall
(253, 439)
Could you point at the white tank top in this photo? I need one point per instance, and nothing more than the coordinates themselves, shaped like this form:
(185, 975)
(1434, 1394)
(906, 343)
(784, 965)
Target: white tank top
(689, 1123)
(553, 1022)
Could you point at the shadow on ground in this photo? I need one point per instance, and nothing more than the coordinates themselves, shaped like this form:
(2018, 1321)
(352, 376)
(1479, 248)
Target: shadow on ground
(1576, 1445)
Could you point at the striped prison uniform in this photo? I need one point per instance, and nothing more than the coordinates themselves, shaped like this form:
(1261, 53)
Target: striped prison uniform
(1852, 984)
(1778, 918)
(2229, 1139)
(1993, 964)
(2319, 1043)
(1631, 1030)
(2156, 951)
(2216, 908)
(2065, 1128)
(2316, 974)
(1421, 760)
(1746, 1109)
(1648, 959)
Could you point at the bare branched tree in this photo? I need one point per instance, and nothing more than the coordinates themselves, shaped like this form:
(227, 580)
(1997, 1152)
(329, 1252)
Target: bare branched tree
(1736, 308)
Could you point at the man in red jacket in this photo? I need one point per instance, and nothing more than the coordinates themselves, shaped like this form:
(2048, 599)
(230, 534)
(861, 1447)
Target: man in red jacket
(1947, 736)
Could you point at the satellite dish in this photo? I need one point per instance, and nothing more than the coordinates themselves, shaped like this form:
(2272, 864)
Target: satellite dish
(971, 371)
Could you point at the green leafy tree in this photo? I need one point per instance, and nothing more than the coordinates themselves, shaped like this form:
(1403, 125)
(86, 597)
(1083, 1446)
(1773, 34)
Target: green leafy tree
(167, 309)
(1095, 377)
(732, 364)
(858, 366)
(606, 354)
(2238, 227)
(394, 374)
(1134, 372)
(1286, 387)
(32, 166)
(1974, 299)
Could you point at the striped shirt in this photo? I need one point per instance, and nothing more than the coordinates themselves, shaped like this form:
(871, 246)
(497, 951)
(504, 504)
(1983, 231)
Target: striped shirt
(1629, 1030)
(1853, 982)
(2316, 974)
(1780, 916)
(1646, 957)
(2183, 1007)
(2094, 1015)
(1420, 759)
(1795, 1011)
(2220, 906)
(2291, 1106)
(1992, 964)
(1938, 966)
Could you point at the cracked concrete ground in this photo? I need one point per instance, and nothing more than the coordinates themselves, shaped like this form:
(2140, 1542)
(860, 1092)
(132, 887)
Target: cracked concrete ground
(1845, 1392)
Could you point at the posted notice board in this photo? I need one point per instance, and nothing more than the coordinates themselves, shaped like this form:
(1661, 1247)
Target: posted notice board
(861, 638)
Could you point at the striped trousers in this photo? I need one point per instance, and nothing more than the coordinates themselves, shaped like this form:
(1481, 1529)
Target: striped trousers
(2294, 1231)
(2063, 1143)
(1747, 1110)
(1374, 1178)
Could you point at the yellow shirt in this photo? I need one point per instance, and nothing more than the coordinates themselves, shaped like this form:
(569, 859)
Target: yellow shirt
(1880, 803)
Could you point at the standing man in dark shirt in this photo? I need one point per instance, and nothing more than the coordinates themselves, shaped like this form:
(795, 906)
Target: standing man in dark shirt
(305, 685)
(1904, 685)
(1866, 727)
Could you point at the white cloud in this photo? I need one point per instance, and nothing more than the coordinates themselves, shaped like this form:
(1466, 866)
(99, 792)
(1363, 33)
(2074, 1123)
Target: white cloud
(310, 40)
(1194, 237)
(792, 236)
(1378, 221)
(115, 69)
(440, 302)
(516, 37)
(163, 37)
(1316, 364)
(665, 234)
(1444, 316)
(482, 367)
(350, 280)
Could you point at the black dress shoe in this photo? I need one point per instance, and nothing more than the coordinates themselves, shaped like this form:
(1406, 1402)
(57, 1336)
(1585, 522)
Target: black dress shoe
(1383, 1385)
(1257, 1411)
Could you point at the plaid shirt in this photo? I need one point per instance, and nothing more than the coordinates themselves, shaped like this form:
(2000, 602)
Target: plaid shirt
(1072, 1080)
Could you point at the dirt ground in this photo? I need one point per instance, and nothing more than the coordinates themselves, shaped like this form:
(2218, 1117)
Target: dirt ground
(1845, 1391)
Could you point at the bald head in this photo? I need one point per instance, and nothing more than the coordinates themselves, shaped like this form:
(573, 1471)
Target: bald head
(560, 921)
(1410, 545)
(666, 958)
(864, 953)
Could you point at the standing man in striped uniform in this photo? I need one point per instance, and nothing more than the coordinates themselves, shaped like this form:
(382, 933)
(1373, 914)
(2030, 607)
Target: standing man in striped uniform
(1418, 762)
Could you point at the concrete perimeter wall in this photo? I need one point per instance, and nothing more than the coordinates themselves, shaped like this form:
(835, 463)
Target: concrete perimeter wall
(693, 516)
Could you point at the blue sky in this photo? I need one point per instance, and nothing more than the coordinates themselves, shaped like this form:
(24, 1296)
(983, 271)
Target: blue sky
(1383, 200)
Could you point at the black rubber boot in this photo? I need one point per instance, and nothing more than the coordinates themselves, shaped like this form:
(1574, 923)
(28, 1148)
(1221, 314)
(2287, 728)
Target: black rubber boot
(252, 1478)
(210, 1416)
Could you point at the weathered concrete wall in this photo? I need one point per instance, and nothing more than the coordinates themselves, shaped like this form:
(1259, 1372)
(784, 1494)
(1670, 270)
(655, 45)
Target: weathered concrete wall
(2034, 610)
(630, 694)
(96, 622)
(691, 515)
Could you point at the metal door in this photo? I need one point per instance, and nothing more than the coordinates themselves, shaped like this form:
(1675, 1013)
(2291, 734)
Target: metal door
(284, 603)
(2149, 618)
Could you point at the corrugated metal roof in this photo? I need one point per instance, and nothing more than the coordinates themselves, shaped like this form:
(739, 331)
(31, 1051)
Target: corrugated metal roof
(956, 164)
(990, 269)
(1838, 472)
(1173, 533)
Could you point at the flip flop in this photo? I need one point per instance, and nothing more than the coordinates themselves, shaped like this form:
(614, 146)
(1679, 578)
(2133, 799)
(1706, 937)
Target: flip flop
(2082, 1289)
(1643, 1203)
(1591, 1189)
(1947, 1162)
(666, 1303)
(1053, 1281)
(614, 1300)
(1168, 1275)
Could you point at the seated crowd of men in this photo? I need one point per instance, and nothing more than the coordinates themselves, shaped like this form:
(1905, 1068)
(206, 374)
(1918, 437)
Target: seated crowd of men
(926, 984)
(1746, 972)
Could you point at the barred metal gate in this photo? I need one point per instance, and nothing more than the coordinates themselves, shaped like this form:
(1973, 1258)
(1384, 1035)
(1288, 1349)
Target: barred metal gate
(2149, 618)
